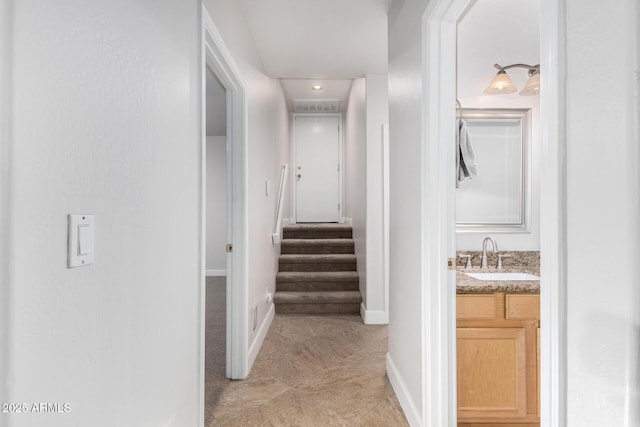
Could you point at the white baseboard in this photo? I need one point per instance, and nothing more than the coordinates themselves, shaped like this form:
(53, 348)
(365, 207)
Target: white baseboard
(373, 317)
(399, 387)
(345, 220)
(215, 273)
(287, 221)
(260, 336)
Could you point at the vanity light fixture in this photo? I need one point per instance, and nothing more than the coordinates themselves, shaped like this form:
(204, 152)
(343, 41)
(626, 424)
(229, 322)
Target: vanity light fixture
(316, 87)
(501, 83)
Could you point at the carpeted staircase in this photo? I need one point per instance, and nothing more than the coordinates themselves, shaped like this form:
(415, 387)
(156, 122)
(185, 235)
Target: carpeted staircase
(317, 271)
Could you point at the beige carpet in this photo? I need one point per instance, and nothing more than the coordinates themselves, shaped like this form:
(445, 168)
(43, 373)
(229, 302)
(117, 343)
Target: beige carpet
(311, 371)
(215, 345)
(317, 270)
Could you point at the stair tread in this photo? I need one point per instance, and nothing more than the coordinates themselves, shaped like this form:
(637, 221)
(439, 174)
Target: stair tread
(317, 297)
(317, 231)
(317, 257)
(318, 226)
(316, 276)
(318, 242)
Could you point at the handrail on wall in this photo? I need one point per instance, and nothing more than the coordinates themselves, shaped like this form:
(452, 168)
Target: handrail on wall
(277, 226)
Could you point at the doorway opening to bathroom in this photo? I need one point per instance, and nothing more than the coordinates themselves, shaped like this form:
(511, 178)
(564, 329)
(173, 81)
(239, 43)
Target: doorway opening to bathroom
(440, 26)
(497, 221)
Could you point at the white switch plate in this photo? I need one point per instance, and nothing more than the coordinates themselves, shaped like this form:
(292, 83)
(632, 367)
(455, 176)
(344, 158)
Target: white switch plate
(267, 187)
(80, 240)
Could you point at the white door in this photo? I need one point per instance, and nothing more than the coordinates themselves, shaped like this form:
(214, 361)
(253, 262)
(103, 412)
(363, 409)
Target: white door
(317, 168)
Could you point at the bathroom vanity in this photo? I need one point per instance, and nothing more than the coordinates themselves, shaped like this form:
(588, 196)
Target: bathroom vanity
(498, 335)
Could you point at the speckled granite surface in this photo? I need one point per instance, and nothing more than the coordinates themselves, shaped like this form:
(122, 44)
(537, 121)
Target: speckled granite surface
(518, 259)
(520, 262)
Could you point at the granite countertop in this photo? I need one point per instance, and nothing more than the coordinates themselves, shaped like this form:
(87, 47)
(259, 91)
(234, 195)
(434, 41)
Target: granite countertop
(467, 284)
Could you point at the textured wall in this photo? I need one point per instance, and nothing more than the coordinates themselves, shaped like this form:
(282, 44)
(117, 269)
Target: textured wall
(603, 210)
(105, 119)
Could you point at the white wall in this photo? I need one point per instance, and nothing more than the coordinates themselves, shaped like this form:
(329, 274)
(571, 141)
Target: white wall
(367, 112)
(377, 107)
(268, 150)
(405, 248)
(603, 211)
(482, 43)
(602, 203)
(104, 119)
(216, 254)
(5, 194)
(356, 174)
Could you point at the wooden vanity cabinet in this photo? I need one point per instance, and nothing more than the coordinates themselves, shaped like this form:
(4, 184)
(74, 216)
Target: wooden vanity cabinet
(498, 362)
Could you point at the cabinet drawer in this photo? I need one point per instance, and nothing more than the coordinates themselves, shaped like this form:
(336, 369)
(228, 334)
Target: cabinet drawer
(476, 307)
(521, 306)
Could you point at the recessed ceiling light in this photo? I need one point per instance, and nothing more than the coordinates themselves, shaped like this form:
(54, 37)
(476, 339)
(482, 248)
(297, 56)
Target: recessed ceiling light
(316, 87)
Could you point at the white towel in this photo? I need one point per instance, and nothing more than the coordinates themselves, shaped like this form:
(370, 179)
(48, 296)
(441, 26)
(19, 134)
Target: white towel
(466, 164)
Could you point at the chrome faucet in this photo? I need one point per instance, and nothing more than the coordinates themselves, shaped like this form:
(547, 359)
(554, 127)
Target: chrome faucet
(484, 250)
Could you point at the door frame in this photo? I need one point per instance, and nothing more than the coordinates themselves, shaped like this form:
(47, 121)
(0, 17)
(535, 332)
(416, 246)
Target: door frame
(293, 148)
(439, 28)
(216, 56)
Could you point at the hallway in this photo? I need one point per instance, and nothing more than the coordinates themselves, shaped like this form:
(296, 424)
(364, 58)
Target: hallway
(311, 371)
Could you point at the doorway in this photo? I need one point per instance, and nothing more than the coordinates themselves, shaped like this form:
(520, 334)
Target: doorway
(439, 94)
(497, 203)
(217, 60)
(216, 237)
(317, 147)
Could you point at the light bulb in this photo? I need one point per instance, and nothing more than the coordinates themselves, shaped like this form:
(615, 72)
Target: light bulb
(500, 85)
(532, 87)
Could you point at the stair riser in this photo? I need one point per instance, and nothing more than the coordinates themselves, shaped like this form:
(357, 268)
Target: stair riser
(317, 266)
(349, 308)
(316, 286)
(317, 234)
(308, 249)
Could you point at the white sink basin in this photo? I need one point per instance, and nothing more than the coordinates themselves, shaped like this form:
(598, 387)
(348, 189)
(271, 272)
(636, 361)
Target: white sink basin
(503, 276)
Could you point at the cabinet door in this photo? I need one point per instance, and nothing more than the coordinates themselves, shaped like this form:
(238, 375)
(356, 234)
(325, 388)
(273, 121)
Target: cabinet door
(491, 373)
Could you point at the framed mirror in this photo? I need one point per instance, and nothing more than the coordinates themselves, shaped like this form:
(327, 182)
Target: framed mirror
(498, 200)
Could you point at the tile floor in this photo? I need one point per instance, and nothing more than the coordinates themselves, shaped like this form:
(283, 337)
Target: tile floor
(311, 371)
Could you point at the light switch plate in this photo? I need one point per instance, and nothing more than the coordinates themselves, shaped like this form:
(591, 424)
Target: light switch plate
(80, 240)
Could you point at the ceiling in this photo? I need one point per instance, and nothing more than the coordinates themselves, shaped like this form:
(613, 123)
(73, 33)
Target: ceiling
(327, 42)
(320, 38)
(330, 42)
